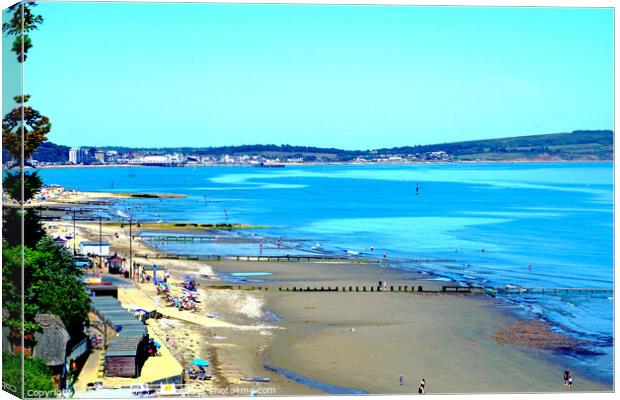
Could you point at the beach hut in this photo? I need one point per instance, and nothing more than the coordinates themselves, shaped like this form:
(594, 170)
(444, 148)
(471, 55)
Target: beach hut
(115, 264)
(125, 356)
(102, 289)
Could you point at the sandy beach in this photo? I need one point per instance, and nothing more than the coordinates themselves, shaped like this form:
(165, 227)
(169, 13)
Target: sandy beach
(232, 348)
(344, 341)
(367, 340)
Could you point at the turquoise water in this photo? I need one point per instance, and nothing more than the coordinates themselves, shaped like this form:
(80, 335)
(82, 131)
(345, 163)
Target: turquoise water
(556, 217)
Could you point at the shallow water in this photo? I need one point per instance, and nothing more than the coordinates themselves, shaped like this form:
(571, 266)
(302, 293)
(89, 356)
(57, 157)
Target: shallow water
(556, 217)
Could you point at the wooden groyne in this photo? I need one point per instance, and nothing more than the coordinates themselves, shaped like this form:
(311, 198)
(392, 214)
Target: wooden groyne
(170, 256)
(546, 290)
(173, 256)
(289, 258)
(177, 238)
(470, 290)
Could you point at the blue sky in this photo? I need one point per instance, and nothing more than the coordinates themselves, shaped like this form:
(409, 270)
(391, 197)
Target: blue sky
(342, 76)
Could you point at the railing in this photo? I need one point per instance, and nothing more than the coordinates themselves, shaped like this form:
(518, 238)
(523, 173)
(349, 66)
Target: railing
(79, 349)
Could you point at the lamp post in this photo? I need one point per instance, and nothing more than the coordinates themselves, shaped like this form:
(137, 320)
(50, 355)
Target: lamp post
(130, 220)
(130, 249)
(74, 212)
(100, 241)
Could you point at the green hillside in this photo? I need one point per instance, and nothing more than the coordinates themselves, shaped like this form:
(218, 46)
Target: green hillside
(577, 145)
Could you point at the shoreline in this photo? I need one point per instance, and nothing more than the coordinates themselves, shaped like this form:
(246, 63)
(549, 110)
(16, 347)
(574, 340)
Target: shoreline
(270, 300)
(516, 161)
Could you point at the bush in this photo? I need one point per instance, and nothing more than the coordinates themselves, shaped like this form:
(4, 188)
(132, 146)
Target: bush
(37, 376)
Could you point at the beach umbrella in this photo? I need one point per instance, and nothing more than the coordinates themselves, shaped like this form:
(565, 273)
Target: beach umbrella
(200, 362)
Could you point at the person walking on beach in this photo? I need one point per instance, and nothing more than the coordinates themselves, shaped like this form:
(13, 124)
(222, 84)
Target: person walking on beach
(570, 382)
(422, 388)
(401, 380)
(566, 376)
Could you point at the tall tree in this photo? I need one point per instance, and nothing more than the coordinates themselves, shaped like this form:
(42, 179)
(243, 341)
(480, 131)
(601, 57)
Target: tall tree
(24, 128)
(24, 120)
(22, 21)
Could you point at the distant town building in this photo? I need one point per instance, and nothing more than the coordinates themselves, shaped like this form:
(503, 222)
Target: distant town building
(154, 160)
(100, 156)
(82, 155)
(73, 156)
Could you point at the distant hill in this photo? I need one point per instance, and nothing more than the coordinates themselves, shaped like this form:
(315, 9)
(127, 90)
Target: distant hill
(47, 152)
(50, 152)
(577, 145)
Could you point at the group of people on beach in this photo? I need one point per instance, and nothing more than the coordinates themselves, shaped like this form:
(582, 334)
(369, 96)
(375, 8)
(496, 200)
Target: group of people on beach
(188, 300)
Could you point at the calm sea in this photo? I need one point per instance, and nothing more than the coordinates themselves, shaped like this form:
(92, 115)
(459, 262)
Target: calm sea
(558, 217)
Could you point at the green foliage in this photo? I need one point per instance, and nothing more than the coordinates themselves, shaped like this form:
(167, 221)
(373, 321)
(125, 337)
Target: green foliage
(22, 21)
(12, 226)
(50, 152)
(31, 21)
(12, 185)
(51, 281)
(21, 52)
(37, 376)
(32, 129)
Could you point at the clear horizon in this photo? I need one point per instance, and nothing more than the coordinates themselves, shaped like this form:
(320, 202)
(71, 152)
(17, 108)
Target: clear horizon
(349, 77)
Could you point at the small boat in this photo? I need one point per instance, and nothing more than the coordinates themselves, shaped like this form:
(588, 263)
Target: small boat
(256, 379)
